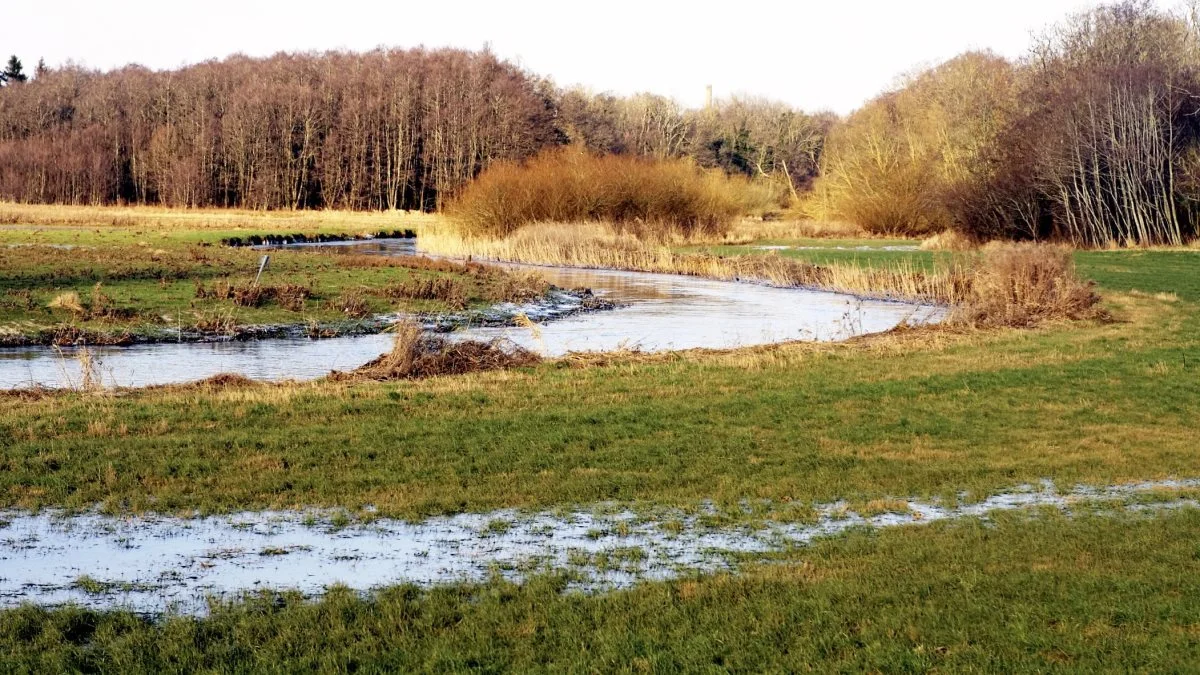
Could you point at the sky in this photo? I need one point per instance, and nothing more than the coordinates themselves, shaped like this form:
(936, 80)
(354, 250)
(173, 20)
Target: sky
(822, 55)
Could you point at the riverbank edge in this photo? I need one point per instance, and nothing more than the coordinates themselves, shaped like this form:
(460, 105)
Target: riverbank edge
(558, 303)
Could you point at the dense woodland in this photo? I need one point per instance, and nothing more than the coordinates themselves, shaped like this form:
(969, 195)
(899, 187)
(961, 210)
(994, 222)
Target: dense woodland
(386, 129)
(1093, 137)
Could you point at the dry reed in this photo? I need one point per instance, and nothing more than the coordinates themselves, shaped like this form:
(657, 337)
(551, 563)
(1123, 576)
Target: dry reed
(416, 354)
(750, 230)
(1004, 284)
(600, 246)
(949, 240)
(1024, 284)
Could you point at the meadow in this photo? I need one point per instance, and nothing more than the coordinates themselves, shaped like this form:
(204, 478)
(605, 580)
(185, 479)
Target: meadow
(956, 412)
(144, 274)
(1043, 592)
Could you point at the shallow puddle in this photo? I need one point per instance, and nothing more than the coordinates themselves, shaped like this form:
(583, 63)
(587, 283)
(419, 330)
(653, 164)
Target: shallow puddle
(655, 312)
(157, 563)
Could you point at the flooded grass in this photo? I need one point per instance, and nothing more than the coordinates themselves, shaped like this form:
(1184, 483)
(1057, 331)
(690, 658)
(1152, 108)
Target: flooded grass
(155, 563)
(1019, 592)
(923, 413)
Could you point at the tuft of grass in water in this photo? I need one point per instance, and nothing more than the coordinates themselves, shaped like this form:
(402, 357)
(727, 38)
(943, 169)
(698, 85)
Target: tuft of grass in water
(416, 354)
(498, 526)
(90, 586)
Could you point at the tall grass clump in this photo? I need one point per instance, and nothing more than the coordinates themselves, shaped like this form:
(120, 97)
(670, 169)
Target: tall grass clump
(416, 354)
(1023, 284)
(650, 198)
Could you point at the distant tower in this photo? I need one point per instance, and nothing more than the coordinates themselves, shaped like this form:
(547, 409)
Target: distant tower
(708, 97)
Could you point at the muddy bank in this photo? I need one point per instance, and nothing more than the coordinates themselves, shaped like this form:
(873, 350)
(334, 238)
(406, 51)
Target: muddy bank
(272, 240)
(156, 564)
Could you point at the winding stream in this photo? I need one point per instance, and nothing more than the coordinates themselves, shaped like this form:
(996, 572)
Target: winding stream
(655, 312)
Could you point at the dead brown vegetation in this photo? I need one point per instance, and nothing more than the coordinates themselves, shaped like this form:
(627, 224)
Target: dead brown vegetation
(289, 296)
(648, 197)
(450, 291)
(1004, 284)
(416, 354)
(1021, 285)
(351, 303)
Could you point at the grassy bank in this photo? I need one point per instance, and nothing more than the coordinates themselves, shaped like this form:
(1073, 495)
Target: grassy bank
(1046, 594)
(73, 284)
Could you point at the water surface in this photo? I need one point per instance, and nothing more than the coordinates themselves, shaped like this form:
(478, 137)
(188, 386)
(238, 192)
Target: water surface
(655, 312)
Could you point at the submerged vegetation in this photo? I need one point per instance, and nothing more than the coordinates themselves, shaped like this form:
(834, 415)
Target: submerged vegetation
(1020, 593)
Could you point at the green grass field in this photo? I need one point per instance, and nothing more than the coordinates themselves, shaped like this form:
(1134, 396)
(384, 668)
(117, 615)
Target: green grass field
(950, 414)
(126, 288)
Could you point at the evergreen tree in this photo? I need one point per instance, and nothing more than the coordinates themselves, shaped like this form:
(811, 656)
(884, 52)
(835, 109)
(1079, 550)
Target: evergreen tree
(14, 71)
(41, 69)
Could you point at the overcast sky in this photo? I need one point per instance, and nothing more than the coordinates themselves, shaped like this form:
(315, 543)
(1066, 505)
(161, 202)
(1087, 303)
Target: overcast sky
(828, 54)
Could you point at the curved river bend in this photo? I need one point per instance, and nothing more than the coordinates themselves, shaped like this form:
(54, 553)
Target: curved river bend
(656, 312)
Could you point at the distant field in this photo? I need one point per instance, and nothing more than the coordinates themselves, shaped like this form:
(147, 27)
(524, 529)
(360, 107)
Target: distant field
(105, 224)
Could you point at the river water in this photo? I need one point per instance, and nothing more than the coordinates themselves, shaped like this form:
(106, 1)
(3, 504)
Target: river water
(655, 312)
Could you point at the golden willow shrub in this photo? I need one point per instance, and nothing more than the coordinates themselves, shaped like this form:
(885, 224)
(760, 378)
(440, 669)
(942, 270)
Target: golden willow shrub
(892, 165)
(1092, 139)
(650, 198)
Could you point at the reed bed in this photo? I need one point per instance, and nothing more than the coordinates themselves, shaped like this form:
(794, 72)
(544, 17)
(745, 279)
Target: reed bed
(1000, 284)
(751, 230)
(596, 245)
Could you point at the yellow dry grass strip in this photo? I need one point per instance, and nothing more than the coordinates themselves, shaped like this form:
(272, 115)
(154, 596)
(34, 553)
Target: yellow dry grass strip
(152, 217)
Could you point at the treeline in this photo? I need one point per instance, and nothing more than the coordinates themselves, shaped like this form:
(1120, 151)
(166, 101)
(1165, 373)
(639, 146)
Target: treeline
(381, 130)
(386, 129)
(1093, 138)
